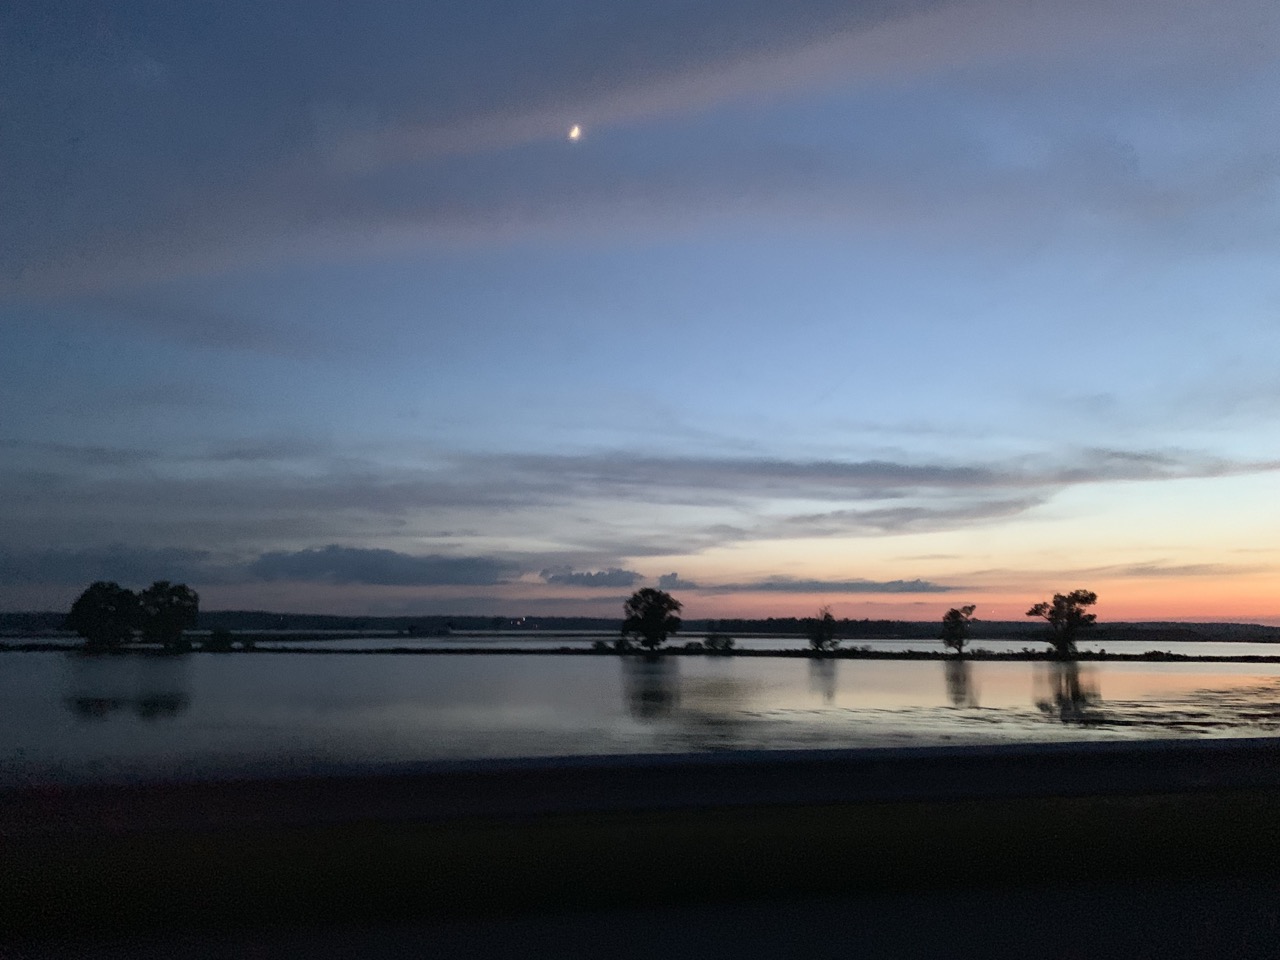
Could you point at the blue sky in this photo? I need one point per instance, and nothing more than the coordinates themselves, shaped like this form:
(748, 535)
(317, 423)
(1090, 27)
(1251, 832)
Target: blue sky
(888, 306)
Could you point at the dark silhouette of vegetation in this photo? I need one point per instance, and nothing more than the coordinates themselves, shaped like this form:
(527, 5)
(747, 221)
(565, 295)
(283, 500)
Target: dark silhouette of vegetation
(955, 627)
(1066, 618)
(219, 641)
(718, 642)
(651, 617)
(166, 610)
(105, 615)
(821, 631)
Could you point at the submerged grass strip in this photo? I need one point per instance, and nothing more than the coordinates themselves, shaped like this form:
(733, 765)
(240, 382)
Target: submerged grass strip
(977, 656)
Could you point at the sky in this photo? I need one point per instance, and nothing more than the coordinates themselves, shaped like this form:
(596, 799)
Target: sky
(885, 306)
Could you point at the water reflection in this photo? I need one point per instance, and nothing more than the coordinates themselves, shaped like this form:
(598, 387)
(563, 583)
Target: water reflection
(651, 685)
(822, 678)
(151, 688)
(961, 690)
(1063, 691)
(269, 711)
(713, 713)
(695, 712)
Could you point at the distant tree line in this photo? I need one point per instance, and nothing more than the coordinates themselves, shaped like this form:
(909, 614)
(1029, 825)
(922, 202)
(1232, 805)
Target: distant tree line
(107, 616)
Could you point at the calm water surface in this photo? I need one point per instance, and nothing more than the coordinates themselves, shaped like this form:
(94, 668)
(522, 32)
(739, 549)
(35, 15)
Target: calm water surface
(70, 717)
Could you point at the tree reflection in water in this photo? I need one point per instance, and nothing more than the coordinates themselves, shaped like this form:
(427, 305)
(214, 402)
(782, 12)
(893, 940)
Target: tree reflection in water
(1062, 692)
(822, 678)
(149, 687)
(652, 686)
(150, 707)
(961, 690)
(690, 713)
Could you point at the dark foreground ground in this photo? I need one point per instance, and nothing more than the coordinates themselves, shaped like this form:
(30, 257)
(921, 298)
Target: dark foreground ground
(1098, 850)
(1159, 919)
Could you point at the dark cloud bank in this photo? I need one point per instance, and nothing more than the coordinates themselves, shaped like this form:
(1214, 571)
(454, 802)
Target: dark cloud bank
(381, 567)
(567, 576)
(354, 565)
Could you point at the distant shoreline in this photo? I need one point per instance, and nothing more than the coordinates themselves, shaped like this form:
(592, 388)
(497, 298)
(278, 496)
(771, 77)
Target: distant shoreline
(1088, 656)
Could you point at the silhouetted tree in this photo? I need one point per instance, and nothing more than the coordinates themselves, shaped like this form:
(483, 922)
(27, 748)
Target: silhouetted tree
(651, 616)
(104, 614)
(955, 627)
(821, 631)
(1066, 618)
(166, 610)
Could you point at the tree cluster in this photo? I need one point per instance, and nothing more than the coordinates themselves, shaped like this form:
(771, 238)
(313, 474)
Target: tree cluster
(107, 614)
(1065, 614)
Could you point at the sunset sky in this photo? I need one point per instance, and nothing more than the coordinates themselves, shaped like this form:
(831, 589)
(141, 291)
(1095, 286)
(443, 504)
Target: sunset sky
(891, 306)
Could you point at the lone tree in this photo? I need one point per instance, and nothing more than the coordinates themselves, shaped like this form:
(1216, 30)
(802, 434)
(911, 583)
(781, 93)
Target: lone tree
(165, 611)
(821, 631)
(105, 614)
(955, 627)
(1066, 618)
(651, 616)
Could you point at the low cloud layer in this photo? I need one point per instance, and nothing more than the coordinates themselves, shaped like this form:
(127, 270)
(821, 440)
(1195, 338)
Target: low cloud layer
(62, 506)
(130, 565)
(375, 567)
(790, 585)
(613, 578)
(384, 567)
(672, 581)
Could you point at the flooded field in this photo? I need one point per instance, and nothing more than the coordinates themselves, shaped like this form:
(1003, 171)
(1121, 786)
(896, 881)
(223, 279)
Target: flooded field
(70, 717)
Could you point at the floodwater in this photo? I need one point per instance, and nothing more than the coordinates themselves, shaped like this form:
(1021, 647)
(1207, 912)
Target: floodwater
(72, 718)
